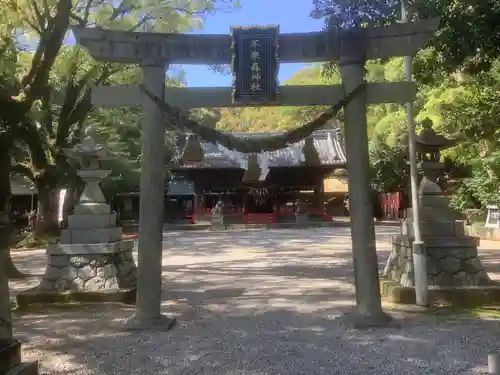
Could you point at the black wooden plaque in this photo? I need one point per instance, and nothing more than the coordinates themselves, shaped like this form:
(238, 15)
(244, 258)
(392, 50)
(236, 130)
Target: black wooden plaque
(255, 64)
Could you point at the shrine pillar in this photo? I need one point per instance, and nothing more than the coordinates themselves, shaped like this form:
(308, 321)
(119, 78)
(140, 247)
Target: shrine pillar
(198, 204)
(368, 311)
(319, 196)
(149, 280)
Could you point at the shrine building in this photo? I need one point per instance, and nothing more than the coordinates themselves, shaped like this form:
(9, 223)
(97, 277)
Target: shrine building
(255, 188)
(280, 178)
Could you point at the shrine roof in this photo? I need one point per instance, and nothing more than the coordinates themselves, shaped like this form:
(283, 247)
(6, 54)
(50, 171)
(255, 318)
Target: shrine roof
(326, 142)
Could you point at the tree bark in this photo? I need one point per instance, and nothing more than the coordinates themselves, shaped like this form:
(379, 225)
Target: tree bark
(5, 315)
(46, 218)
(5, 222)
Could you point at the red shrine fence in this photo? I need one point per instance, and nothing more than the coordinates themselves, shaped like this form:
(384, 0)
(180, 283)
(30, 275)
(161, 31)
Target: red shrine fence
(393, 205)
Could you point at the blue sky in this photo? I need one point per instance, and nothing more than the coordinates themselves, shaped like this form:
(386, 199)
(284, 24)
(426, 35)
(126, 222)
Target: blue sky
(291, 15)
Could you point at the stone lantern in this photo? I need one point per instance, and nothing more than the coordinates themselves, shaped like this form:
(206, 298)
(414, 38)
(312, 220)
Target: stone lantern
(429, 146)
(91, 255)
(452, 257)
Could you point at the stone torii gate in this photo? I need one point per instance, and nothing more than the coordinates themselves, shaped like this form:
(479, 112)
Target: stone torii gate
(351, 48)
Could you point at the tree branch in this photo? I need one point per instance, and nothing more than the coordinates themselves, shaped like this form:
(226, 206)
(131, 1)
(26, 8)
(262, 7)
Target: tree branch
(78, 19)
(86, 12)
(79, 112)
(48, 118)
(28, 133)
(46, 8)
(75, 107)
(48, 49)
(146, 18)
(42, 20)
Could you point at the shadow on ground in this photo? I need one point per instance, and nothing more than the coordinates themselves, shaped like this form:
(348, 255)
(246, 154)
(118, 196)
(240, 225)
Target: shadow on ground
(257, 302)
(252, 341)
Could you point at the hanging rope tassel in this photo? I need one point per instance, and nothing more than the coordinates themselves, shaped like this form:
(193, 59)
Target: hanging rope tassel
(176, 118)
(310, 153)
(252, 173)
(193, 151)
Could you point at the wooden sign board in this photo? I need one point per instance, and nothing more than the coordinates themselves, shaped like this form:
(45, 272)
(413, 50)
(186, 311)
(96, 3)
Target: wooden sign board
(493, 217)
(255, 64)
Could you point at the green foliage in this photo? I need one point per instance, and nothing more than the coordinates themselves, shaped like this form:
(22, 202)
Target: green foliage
(467, 37)
(389, 168)
(355, 13)
(463, 107)
(45, 84)
(277, 118)
(467, 109)
(459, 73)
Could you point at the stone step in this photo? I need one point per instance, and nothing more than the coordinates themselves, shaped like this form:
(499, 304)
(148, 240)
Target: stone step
(90, 236)
(435, 229)
(95, 221)
(92, 209)
(88, 249)
(455, 242)
(26, 368)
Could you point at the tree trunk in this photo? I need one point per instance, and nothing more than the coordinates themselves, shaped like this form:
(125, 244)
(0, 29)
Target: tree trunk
(46, 218)
(5, 221)
(12, 272)
(5, 315)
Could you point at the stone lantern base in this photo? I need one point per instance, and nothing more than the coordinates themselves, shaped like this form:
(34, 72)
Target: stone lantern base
(451, 262)
(455, 274)
(91, 263)
(90, 267)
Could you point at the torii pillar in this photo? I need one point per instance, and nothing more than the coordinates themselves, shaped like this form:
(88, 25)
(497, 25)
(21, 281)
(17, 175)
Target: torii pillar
(368, 311)
(148, 310)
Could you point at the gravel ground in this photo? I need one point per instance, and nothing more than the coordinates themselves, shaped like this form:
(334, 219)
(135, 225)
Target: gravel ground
(252, 303)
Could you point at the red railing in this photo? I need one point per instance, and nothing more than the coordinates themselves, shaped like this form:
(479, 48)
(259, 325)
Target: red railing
(231, 210)
(267, 218)
(191, 216)
(391, 204)
(259, 218)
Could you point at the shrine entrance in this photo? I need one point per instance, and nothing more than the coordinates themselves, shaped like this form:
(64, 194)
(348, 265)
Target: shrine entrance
(254, 84)
(259, 204)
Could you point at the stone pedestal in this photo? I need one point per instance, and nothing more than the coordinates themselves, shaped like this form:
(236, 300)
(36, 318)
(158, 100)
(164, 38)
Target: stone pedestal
(10, 360)
(91, 256)
(451, 262)
(217, 219)
(302, 220)
(301, 214)
(90, 267)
